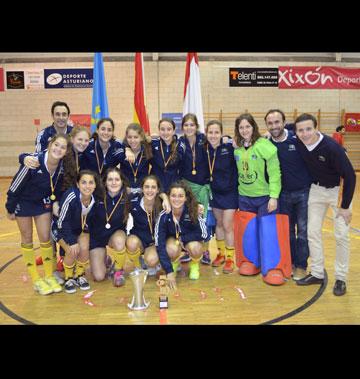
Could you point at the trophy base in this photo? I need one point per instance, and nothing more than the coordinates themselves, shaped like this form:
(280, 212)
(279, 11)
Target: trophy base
(163, 302)
(140, 307)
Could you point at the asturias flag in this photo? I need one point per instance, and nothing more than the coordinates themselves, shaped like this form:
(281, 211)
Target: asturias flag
(140, 115)
(192, 90)
(99, 99)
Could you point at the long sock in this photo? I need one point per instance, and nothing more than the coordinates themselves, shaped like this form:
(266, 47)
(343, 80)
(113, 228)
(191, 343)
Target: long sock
(46, 250)
(119, 259)
(28, 253)
(80, 268)
(69, 270)
(229, 252)
(134, 257)
(221, 246)
(53, 243)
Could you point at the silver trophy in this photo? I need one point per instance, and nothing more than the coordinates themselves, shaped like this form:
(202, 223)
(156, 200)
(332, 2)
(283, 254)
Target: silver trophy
(138, 278)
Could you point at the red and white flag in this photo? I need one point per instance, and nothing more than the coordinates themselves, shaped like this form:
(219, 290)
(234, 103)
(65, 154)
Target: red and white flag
(140, 114)
(192, 90)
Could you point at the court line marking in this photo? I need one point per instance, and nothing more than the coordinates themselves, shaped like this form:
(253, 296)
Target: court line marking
(296, 311)
(163, 317)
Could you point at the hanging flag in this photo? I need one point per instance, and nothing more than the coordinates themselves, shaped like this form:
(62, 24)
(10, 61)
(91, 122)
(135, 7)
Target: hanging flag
(99, 98)
(192, 90)
(140, 114)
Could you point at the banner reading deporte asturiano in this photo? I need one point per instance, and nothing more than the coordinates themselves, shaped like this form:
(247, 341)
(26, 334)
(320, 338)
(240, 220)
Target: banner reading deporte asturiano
(68, 78)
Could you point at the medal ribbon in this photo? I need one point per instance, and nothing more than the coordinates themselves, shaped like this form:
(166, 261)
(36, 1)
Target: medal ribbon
(97, 160)
(137, 169)
(212, 164)
(116, 205)
(163, 156)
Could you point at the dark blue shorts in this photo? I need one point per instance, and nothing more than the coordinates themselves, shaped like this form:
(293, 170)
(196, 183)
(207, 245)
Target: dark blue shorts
(28, 208)
(146, 242)
(99, 242)
(256, 205)
(227, 200)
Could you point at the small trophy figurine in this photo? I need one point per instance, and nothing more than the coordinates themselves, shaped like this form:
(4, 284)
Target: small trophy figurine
(164, 290)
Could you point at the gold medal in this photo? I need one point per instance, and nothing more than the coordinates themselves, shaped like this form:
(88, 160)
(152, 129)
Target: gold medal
(107, 226)
(211, 179)
(52, 197)
(193, 172)
(177, 242)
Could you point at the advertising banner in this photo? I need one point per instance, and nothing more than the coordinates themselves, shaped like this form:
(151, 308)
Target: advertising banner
(253, 77)
(318, 77)
(68, 78)
(352, 122)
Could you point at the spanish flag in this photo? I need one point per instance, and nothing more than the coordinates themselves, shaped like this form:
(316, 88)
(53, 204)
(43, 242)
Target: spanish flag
(140, 114)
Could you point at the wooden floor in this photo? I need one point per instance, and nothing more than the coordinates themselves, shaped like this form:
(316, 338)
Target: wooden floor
(212, 300)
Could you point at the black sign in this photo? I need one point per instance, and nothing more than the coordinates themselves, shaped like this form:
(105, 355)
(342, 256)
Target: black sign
(253, 77)
(15, 80)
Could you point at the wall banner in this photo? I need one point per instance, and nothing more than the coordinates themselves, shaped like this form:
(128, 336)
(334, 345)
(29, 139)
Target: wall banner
(318, 77)
(68, 78)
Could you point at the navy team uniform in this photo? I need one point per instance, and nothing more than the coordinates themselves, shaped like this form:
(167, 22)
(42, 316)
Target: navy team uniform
(99, 235)
(93, 153)
(201, 164)
(30, 189)
(69, 224)
(141, 164)
(169, 174)
(141, 227)
(165, 228)
(45, 135)
(224, 184)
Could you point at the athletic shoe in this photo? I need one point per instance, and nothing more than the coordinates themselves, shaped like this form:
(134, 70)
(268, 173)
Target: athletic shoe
(119, 278)
(42, 287)
(39, 261)
(194, 273)
(175, 266)
(339, 288)
(185, 258)
(59, 265)
(205, 259)
(142, 262)
(308, 280)
(82, 282)
(152, 271)
(299, 273)
(53, 284)
(70, 286)
(58, 277)
(228, 266)
(219, 260)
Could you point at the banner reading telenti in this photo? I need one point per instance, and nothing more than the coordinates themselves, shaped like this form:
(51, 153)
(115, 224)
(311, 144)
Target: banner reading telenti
(318, 77)
(68, 78)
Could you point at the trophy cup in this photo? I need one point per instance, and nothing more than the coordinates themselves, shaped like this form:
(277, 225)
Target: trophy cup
(138, 278)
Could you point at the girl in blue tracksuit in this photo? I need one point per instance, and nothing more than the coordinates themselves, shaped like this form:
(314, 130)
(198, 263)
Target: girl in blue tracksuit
(181, 229)
(108, 227)
(166, 159)
(136, 169)
(104, 150)
(71, 228)
(30, 196)
(224, 192)
(145, 208)
(194, 166)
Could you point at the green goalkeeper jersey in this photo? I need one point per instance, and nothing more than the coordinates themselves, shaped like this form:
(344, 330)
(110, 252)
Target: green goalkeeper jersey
(258, 169)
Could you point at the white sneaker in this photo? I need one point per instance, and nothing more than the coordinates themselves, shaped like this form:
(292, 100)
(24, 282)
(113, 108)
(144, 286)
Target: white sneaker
(58, 277)
(152, 271)
(299, 273)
